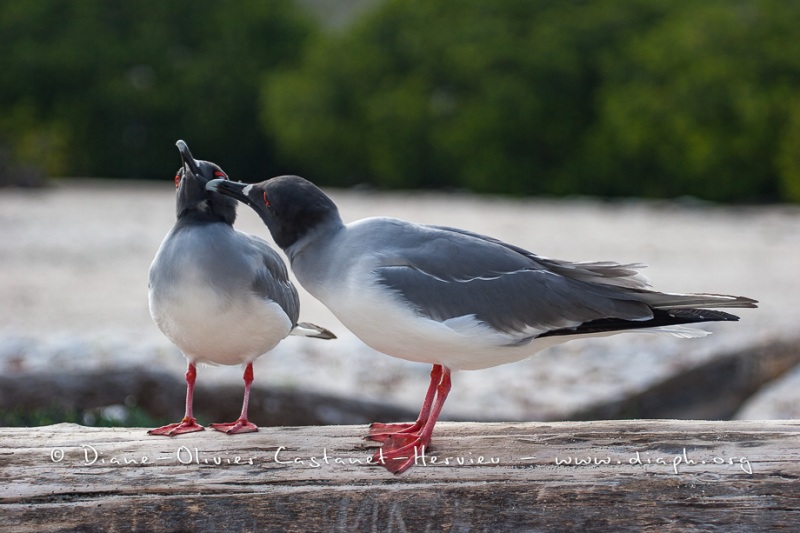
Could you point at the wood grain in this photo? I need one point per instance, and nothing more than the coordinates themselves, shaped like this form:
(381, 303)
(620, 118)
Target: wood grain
(638, 475)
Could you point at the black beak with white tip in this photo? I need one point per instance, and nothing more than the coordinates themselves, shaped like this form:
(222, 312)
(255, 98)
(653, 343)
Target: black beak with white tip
(283, 205)
(253, 195)
(193, 199)
(234, 189)
(186, 157)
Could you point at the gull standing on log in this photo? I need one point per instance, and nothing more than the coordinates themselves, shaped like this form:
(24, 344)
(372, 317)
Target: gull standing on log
(223, 297)
(452, 298)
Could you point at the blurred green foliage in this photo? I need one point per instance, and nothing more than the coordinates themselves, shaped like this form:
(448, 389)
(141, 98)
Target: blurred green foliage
(105, 88)
(655, 98)
(116, 416)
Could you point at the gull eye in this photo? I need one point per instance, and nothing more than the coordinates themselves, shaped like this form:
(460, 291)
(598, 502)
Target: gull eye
(266, 200)
(220, 174)
(177, 180)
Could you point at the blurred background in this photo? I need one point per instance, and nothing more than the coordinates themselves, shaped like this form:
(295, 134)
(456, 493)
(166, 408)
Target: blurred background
(631, 130)
(651, 98)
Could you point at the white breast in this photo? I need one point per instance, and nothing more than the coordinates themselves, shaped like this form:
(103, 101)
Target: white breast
(208, 329)
(208, 325)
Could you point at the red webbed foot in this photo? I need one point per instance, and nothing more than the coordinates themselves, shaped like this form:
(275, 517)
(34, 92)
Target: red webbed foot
(187, 425)
(400, 451)
(380, 432)
(242, 425)
(404, 444)
(231, 428)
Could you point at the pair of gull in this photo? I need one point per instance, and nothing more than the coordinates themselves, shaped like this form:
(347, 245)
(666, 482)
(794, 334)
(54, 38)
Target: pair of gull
(430, 294)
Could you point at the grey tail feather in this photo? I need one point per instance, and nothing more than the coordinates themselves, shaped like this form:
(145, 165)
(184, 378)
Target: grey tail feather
(307, 329)
(669, 301)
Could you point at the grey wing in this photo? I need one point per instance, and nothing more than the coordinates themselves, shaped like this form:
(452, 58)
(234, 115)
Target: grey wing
(446, 273)
(603, 272)
(272, 278)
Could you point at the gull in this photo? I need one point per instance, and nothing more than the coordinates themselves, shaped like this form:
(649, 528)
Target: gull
(453, 298)
(223, 297)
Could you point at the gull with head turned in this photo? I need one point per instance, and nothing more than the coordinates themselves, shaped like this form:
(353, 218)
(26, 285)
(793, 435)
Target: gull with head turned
(453, 298)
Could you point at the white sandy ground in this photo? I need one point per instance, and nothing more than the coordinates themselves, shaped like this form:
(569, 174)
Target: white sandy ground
(74, 260)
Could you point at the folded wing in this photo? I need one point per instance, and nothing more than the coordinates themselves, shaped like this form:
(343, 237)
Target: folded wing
(446, 273)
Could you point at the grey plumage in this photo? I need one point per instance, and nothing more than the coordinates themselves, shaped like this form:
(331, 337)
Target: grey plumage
(447, 273)
(453, 298)
(220, 295)
(231, 262)
(450, 276)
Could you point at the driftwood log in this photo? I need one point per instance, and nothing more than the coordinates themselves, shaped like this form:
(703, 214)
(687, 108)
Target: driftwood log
(613, 475)
(714, 390)
(162, 396)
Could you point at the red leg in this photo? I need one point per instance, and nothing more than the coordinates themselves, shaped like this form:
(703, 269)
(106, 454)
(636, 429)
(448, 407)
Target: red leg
(189, 423)
(242, 425)
(400, 450)
(380, 432)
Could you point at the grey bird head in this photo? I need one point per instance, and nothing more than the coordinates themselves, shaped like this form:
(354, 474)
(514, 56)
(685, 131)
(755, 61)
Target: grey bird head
(194, 201)
(290, 206)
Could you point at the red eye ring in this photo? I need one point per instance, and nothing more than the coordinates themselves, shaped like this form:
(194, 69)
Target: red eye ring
(177, 180)
(220, 174)
(266, 201)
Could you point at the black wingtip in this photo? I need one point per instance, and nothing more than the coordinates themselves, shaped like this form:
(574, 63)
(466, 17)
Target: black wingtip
(661, 318)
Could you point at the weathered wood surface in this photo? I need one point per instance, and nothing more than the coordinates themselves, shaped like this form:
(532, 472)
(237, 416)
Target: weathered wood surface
(637, 475)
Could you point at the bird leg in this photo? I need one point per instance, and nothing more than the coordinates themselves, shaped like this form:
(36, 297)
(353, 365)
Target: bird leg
(242, 425)
(189, 423)
(380, 432)
(400, 450)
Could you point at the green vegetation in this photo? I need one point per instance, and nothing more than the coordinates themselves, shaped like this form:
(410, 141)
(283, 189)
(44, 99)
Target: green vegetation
(115, 416)
(654, 98)
(106, 88)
